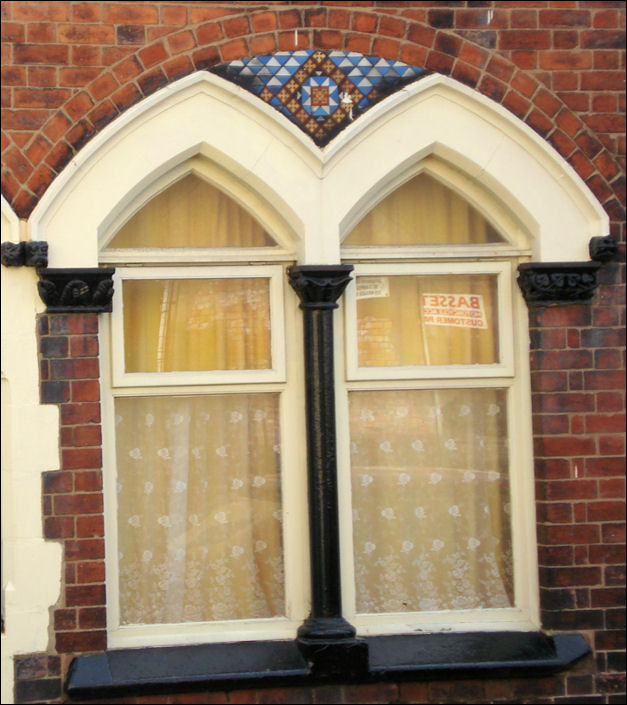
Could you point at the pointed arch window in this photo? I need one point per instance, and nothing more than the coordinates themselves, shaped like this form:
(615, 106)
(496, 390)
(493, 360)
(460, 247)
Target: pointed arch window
(435, 450)
(200, 417)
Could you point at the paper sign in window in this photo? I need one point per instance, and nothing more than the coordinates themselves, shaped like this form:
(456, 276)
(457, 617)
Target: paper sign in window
(372, 287)
(458, 310)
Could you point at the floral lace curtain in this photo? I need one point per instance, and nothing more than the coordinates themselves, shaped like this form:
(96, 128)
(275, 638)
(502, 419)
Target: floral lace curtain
(199, 518)
(430, 500)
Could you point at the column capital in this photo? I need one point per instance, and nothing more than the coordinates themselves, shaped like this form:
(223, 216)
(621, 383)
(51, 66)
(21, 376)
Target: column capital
(319, 286)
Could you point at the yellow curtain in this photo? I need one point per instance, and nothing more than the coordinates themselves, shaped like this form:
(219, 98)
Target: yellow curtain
(422, 212)
(430, 500)
(427, 320)
(196, 324)
(199, 508)
(192, 213)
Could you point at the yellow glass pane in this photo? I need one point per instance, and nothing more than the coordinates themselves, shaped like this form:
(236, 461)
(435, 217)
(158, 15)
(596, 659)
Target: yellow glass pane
(427, 320)
(431, 500)
(199, 508)
(423, 212)
(192, 213)
(178, 325)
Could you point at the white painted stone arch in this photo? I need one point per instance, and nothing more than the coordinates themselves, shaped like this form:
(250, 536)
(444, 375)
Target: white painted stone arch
(317, 194)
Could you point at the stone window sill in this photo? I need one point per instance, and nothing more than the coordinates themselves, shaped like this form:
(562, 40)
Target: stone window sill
(272, 663)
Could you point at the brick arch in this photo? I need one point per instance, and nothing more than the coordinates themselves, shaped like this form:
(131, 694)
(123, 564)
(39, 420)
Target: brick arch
(224, 34)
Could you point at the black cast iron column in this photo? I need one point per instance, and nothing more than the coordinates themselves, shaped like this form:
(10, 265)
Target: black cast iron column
(326, 638)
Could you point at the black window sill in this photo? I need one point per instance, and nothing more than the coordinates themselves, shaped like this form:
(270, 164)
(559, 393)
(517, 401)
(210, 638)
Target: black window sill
(272, 663)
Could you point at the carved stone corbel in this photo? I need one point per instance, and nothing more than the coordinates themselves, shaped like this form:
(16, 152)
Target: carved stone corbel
(33, 253)
(76, 290)
(553, 283)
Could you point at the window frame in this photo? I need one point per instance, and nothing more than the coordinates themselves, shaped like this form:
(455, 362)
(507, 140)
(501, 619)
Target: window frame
(504, 368)
(274, 274)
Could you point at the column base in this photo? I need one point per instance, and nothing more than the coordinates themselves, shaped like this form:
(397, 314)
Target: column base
(332, 649)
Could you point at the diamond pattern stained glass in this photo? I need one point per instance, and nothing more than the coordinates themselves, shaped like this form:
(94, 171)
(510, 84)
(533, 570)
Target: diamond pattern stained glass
(320, 91)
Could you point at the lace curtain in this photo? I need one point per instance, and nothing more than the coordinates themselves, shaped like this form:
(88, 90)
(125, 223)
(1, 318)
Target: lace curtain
(199, 508)
(430, 500)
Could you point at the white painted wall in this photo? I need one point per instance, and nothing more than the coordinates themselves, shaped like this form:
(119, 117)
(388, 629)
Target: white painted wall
(31, 567)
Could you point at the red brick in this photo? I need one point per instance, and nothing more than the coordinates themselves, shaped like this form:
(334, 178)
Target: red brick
(289, 19)
(59, 527)
(80, 413)
(423, 36)
(86, 56)
(209, 33)
(524, 39)
(233, 50)
(605, 555)
(441, 63)
(328, 39)
(181, 41)
(86, 12)
(568, 489)
(79, 642)
(612, 445)
(568, 534)
(606, 511)
(562, 577)
(78, 77)
(153, 55)
(84, 458)
(604, 379)
(205, 58)
(236, 27)
(561, 403)
(12, 32)
(86, 34)
(84, 549)
(57, 482)
(392, 27)
(561, 359)
(85, 391)
(75, 369)
(264, 22)
(64, 619)
(564, 18)
(135, 13)
(473, 55)
(87, 480)
(371, 693)
(613, 533)
(131, 34)
(363, 43)
(178, 67)
(78, 504)
(79, 106)
(208, 12)
(263, 44)
(87, 436)
(41, 33)
(90, 526)
(174, 14)
(364, 22)
(90, 572)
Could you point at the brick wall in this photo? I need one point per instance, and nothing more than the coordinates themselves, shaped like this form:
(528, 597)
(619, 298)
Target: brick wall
(69, 68)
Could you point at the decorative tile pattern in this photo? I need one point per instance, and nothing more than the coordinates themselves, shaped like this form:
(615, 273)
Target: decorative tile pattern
(320, 91)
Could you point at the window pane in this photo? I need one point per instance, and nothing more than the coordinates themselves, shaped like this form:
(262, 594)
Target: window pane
(199, 519)
(427, 320)
(192, 213)
(423, 212)
(196, 324)
(430, 500)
